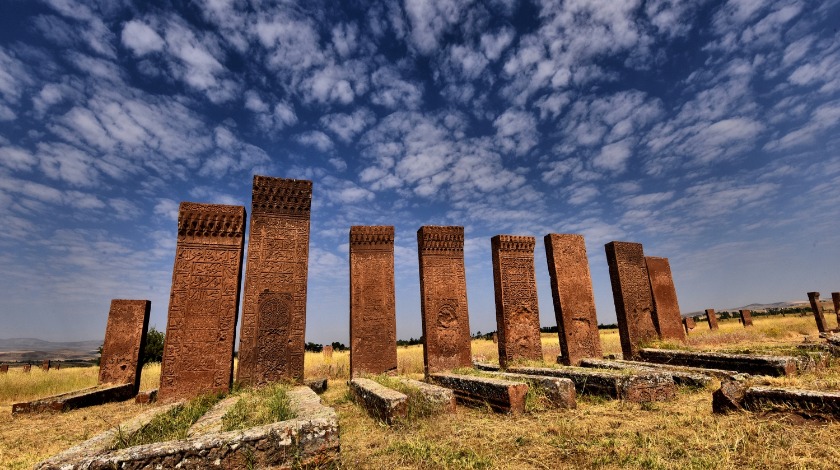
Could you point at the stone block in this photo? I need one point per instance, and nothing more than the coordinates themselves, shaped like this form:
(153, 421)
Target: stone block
(814, 299)
(27, 367)
(146, 397)
(688, 378)
(125, 340)
(666, 309)
(631, 295)
(204, 302)
(774, 366)
(734, 396)
(78, 399)
(501, 395)
(381, 402)
(45, 366)
(271, 344)
(746, 318)
(638, 388)
(574, 302)
(318, 385)
(327, 352)
(689, 324)
(835, 299)
(711, 317)
(4, 369)
(443, 298)
(437, 398)
(559, 391)
(373, 321)
(517, 309)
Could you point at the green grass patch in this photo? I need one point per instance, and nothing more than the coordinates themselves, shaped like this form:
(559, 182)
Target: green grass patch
(257, 407)
(418, 405)
(170, 425)
(421, 453)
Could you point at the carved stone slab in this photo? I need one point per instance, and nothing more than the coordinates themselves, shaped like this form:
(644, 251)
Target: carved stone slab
(814, 298)
(835, 298)
(443, 298)
(574, 303)
(631, 294)
(203, 304)
(373, 320)
(666, 309)
(517, 311)
(689, 324)
(4, 369)
(746, 318)
(711, 317)
(45, 365)
(125, 339)
(274, 297)
(327, 351)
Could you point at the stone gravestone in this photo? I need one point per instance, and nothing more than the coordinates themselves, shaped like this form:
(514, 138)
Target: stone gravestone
(631, 295)
(666, 309)
(272, 344)
(327, 352)
(125, 339)
(4, 368)
(574, 302)
(27, 367)
(373, 321)
(203, 304)
(689, 324)
(495, 338)
(517, 310)
(746, 318)
(835, 297)
(711, 317)
(443, 298)
(814, 298)
(45, 365)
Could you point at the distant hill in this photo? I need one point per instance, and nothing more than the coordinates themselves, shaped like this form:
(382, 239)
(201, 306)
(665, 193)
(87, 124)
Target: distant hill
(785, 304)
(33, 349)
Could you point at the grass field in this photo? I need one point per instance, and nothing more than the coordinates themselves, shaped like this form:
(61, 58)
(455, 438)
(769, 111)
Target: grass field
(682, 433)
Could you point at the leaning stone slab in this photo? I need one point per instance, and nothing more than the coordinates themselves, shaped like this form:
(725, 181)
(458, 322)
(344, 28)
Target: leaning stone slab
(79, 399)
(680, 377)
(310, 440)
(638, 388)
(559, 391)
(439, 398)
(774, 366)
(501, 395)
(380, 401)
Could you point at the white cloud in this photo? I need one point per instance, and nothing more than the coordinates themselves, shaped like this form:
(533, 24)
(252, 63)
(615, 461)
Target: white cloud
(392, 91)
(167, 208)
(613, 156)
(516, 131)
(494, 45)
(316, 139)
(347, 126)
(430, 19)
(140, 38)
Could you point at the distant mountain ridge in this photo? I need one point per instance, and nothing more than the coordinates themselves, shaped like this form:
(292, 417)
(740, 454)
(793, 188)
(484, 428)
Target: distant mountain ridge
(35, 344)
(785, 304)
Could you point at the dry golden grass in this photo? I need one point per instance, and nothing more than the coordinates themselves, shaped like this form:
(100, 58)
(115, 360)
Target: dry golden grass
(682, 433)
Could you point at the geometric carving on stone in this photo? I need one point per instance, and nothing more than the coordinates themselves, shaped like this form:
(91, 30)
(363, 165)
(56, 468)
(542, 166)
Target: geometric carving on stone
(814, 298)
(517, 310)
(574, 302)
(631, 295)
(373, 321)
(125, 339)
(746, 318)
(443, 298)
(278, 257)
(666, 309)
(203, 304)
(711, 317)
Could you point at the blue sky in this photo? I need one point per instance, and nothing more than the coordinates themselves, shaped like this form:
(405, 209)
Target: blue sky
(706, 130)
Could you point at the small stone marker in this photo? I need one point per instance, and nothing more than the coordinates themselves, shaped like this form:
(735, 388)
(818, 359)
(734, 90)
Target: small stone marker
(58, 366)
(631, 295)
(146, 397)
(689, 324)
(501, 395)
(495, 338)
(381, 402)
(373, 321)
(443, 298)
(574, 302)
(327, 351)
(27, 367)
(666, 309)
(203, 305)
(271, 345)
(125, 339)
(746, 318)
(517, 310)
(45, 365)
(711, 317)
(4, 368)
(814, 298)
(774, 366)
(835, 298)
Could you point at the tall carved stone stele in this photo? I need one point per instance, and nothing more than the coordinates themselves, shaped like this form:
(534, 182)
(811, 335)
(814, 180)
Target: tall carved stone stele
(711, 317)
(631, 294)
(203, 304)
(271, 340)
(443, 298)
(517, 311)
(574, 302)
(125, 339)
(835, 298)
(373, 319)
(814, 298)
(746, 317)
(666, 309)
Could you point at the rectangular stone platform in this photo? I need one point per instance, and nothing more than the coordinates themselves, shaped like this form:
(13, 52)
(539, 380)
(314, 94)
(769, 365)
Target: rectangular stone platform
(559, 391)
(79, 399)
(439, 398)
(381, 402)
(309, 441)
(502, 395)
(774, 366)
(735, 395)
(642, 387)
(689, 378)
